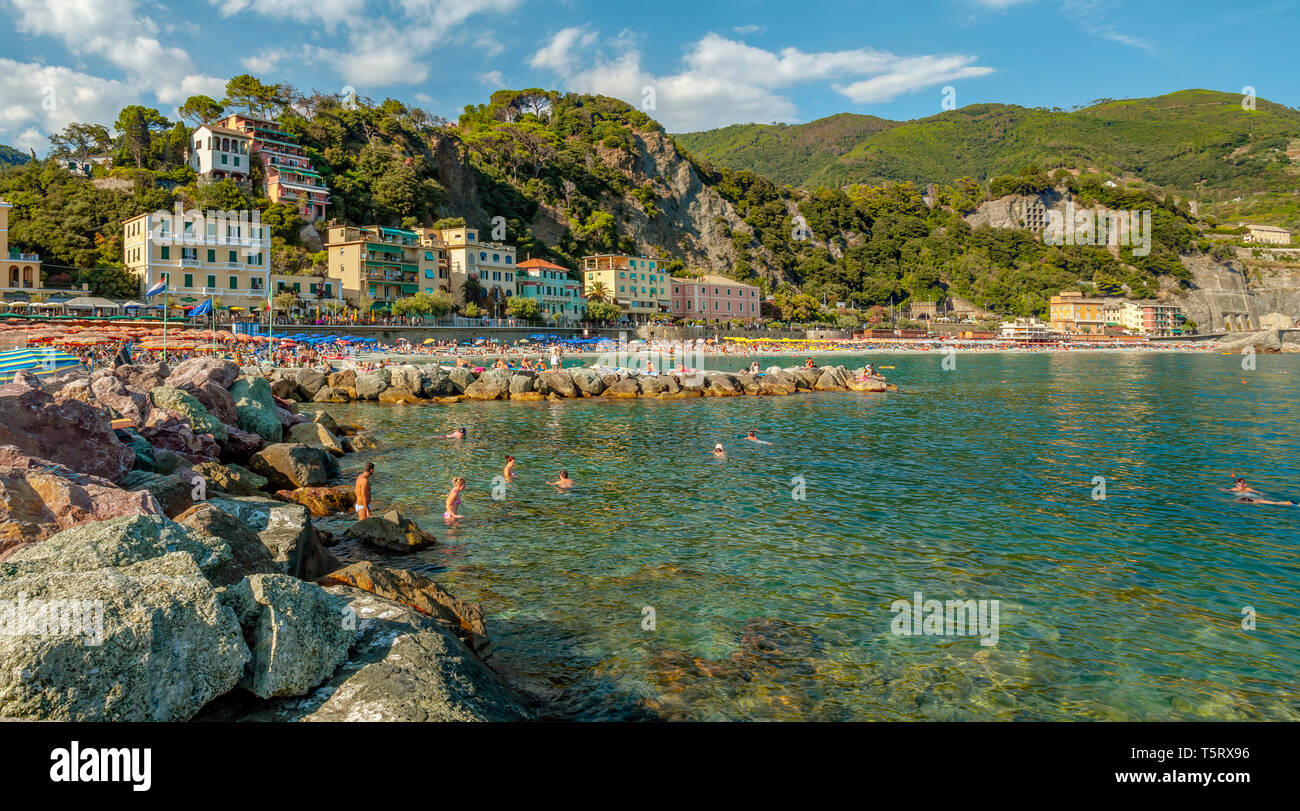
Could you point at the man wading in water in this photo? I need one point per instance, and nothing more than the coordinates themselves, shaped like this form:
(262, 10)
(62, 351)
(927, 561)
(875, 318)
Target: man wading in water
(363, 492)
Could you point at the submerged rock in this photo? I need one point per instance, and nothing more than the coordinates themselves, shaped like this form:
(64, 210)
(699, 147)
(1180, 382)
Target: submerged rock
(391, 533)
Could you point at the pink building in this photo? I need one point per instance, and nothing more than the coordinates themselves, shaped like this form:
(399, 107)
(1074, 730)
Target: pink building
(715, 298)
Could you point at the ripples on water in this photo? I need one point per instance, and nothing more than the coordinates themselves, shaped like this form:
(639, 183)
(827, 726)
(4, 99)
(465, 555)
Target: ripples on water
(972, 483)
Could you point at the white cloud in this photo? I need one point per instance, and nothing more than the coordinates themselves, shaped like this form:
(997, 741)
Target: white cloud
(331, 13)
(749, 29)
(36, 100)
(116, 31)
(493, 78)
(1000, 5)
(725, 81)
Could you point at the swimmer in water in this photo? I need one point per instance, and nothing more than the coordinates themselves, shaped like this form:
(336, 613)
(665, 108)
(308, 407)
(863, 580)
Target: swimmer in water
(459, 433)
(752, 437)
(509, 472)
(449, 512)
(1240, 487)
(564, 482)
(1252, 500)
(718, 451)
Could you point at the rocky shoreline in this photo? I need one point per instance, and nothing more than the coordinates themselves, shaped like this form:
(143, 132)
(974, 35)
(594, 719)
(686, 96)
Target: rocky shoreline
(171, 570)
(415, 384)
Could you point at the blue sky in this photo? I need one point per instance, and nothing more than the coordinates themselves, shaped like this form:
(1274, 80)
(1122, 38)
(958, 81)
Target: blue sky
(709, 63)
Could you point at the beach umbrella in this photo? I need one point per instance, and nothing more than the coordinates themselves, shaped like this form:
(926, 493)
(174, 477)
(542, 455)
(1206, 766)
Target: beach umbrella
(39, 362)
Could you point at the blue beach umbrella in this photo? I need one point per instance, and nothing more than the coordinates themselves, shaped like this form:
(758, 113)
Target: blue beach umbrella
(40, 362)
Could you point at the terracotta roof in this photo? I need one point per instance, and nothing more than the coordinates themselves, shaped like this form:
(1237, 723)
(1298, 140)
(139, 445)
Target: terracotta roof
(540, 264)
(226, 131)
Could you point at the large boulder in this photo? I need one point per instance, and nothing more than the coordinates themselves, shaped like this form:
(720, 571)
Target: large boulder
(216, 400)
(322, 501)
(324, 418)
(256, 407)
(313, 433)
(404, 666)
(855, 383)
(520, 383)
(284, 388)
(201, 370)
(144, 454)
(1268, 340)
(391, 532)
(170, 431)
(248, 554)
(68, 432)
(346, 379)
(328, 394)
(286, 530)
(804, 378)
(721, 384)
(560, 382)
(438, 383)
(397, 395)
(110, 392)
(588, 382)
(142, 378)
(653, 385)
(309, 382)
(776, 384)
(39, 498)
(623, 388)
(298, 633)
(749, 383)
(187, 406)
(363, 441)
(114, 543)
(173, 491)
(156, 644)
(488, 387)
(231, 479)
(462, 618)
(288, 466)
(240, 445)
(460, 378)
(370, 386)
(406, 378)
(832, 378)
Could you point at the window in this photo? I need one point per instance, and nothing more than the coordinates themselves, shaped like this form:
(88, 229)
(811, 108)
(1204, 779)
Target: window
(234, 256)
(509, 260)
(212, 280)
(236, 161)
(496, 257)
(164, 252)
(190, 254)
(212, 255)
(234, 282)
(189, 279)
(223, 159)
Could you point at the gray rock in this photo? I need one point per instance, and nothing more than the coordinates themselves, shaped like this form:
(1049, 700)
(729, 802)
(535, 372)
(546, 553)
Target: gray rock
(173, 493)
(520, 383)
(286, 530)
(324, 418)
(114, 543)
(588, 382)
(391, 533)
(248, 554)
(370, 386)
(288, 466)
(313, 433)
(406, 378)
(190, 408)
(461, 378)
(561, 383)
(256, 407)
(298, 633)
(309, 382)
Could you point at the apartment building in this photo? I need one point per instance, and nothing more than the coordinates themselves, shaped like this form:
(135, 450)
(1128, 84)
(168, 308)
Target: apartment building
(22, 271)
(288, 174)
(557, 293)
(637, 284)
(219, 153)
(200, 255)
(468, 256)
(1072, 312)
(382, 263)
(714, 299)
(1162, 320)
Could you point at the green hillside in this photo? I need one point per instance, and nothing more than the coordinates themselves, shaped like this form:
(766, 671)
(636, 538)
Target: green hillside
(1191, 141)
(12, 157)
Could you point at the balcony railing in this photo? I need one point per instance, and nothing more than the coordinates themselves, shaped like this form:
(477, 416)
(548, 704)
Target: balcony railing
(17, 256)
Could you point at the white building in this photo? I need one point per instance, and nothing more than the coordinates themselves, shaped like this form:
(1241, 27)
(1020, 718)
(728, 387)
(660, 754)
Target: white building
(200, 256)
(218, 152)
(1026, 329)
(1267, 234)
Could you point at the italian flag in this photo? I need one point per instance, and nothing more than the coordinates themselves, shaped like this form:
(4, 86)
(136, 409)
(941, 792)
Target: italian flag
(268, 298)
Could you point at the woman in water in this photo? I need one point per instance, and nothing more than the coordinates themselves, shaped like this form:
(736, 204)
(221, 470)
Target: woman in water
(449, 512)
(459, 433)
(509, 472)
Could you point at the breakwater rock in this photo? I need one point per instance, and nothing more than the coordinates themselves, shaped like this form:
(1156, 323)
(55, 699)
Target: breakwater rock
(414, 384)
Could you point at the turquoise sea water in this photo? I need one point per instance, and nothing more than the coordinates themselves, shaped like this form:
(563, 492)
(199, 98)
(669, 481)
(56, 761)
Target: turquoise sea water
(975, 483)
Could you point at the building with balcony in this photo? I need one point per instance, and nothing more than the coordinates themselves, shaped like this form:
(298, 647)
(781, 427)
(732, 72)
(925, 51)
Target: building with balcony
(557, 292)
(1162, 320)
(714, 299)
(381, 263)
(200, 256)
(1071, 312)
(22, 271)
(288, 175)
(311, 290)
(468, 257)
(218, 153)
(637, 284)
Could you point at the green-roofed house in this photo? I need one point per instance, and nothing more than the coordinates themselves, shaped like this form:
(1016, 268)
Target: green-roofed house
(289, 176)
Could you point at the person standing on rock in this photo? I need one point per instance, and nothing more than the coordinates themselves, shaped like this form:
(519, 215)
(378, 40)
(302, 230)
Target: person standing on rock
(363, 492)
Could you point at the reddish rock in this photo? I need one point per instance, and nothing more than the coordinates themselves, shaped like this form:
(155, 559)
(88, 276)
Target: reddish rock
(215, 399)
(240, 445)
(198, 371)
(169, 431)
(110, 392)
(39, 498)
(142, 378)
(67, 431)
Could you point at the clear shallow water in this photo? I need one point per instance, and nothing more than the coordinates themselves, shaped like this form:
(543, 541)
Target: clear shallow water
(974, 483)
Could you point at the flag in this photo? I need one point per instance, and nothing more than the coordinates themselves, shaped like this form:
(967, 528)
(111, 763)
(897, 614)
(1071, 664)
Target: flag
(203, 309)
(157, 288)
(268, 299)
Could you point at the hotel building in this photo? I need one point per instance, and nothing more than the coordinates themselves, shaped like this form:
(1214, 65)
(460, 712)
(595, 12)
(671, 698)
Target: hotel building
(383, 263)
(714, 299)
(1162, 320)
(288, 174)
(200, 256)
(1072, 313)
(637, 284)
(219, 153)
(22, 271)
(556, 291)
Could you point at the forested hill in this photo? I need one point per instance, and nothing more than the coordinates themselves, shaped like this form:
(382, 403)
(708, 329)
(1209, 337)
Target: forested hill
(12, 157)
(1189, 141)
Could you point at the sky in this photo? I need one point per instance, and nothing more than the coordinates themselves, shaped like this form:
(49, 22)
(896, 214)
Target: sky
(691, 64)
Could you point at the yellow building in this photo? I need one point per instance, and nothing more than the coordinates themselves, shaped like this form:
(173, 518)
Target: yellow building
(215, 253)
(1266, 234)
(22, 271)
(1072, 313)
(382, 263)
(491, 263)
(637, 284)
